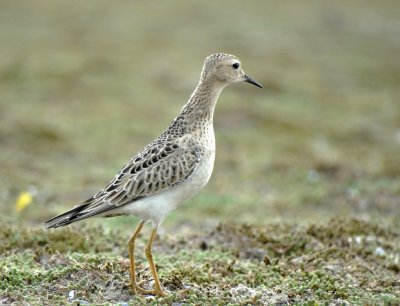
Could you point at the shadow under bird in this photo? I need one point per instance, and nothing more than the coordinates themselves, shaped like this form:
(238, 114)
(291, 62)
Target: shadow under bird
(169, 170)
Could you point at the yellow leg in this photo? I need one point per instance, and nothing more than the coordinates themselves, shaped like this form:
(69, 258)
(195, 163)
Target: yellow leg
(131, 251)
(149, 255)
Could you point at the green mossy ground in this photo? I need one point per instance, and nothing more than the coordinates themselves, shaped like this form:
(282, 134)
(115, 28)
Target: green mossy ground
(303, 204)
(342, 261)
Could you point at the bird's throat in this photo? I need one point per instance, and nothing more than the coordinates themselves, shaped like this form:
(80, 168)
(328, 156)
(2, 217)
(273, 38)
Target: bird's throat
(202, 102)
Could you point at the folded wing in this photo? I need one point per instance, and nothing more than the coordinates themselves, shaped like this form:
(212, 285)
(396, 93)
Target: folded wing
(157, 168)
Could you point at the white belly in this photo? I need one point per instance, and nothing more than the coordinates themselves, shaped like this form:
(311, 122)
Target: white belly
(155, 208)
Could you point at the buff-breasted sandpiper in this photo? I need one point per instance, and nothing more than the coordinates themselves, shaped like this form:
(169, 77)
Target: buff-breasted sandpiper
(169, 170)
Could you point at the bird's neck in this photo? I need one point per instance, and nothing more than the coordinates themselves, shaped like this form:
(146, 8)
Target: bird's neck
(202, 102)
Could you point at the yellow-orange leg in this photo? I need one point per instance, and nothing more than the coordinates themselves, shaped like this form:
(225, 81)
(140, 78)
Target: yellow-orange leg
(149, 255)
(131, 251)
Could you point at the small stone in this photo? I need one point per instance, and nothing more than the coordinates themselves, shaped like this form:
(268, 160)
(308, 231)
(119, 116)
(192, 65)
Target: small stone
(380, 251)
(71, 295)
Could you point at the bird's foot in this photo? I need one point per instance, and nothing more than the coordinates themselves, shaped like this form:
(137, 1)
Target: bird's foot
(157, 291)
(137, 289)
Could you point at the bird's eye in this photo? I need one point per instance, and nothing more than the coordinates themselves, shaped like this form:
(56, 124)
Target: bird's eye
(235, 65)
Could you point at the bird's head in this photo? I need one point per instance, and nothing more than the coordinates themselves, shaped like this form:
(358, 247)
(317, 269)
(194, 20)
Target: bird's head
(225, 69)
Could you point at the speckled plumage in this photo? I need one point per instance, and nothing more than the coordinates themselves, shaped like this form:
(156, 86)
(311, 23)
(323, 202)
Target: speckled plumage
(173, 167)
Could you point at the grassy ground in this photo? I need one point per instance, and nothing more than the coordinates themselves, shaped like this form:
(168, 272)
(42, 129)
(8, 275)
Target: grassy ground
(303, 205)
(342, 261)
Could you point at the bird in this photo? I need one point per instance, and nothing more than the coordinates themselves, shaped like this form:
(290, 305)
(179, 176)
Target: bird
(169, 170)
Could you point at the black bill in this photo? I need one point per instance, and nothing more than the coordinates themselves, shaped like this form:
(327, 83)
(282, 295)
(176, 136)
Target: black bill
(251, 81)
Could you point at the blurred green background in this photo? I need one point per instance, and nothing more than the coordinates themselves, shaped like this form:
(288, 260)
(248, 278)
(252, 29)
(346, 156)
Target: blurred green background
(84, 85)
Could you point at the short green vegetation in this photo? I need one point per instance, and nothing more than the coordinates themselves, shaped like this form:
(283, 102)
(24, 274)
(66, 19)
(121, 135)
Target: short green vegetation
(304, 204)
(343, 261)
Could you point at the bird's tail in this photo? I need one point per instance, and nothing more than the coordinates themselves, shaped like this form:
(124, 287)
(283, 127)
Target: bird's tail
(66, 218)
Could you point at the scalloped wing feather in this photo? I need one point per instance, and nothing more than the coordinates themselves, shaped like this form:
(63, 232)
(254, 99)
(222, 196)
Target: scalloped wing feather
(157, 168)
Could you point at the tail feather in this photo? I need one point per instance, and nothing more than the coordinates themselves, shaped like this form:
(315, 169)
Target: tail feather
(65, 218)
(90, 208)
